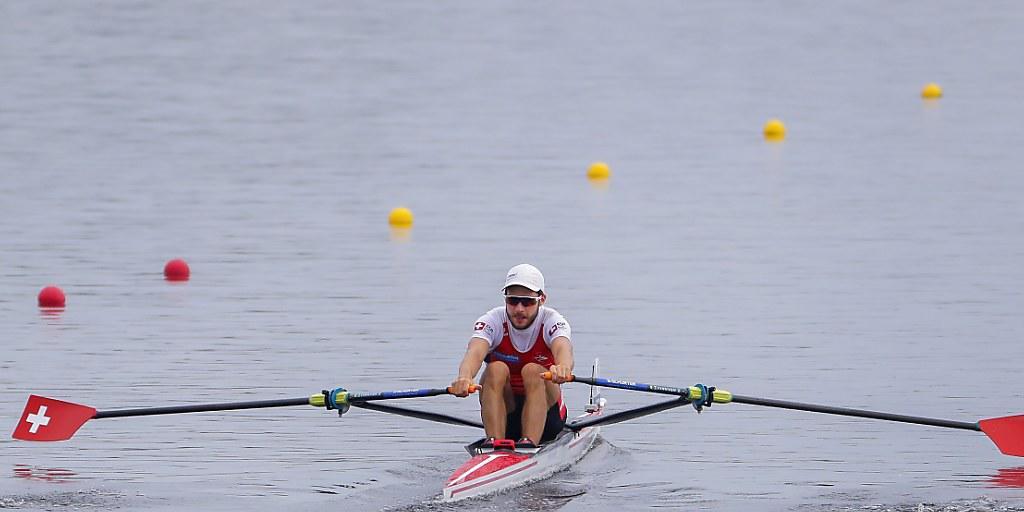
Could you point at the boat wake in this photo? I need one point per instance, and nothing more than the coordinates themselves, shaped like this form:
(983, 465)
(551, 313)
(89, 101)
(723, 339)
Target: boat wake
(982, 504)
(71, 500)
(592, 471)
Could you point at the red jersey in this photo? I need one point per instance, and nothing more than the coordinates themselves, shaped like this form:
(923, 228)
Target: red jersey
(518, 347)
(505, 352)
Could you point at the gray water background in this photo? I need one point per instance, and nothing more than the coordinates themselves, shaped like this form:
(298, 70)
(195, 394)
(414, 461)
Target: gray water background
(873, 259)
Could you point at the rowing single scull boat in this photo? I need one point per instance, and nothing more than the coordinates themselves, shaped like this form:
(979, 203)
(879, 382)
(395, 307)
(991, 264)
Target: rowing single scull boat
(504, 467)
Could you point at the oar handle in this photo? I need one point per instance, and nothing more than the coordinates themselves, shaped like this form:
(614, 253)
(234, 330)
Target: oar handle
(693, 393)
(549, 376)
(473, 388)
(341, 398)
(405, 393)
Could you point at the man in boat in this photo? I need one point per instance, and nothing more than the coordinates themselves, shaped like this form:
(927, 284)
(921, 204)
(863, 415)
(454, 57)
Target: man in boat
(519, 342)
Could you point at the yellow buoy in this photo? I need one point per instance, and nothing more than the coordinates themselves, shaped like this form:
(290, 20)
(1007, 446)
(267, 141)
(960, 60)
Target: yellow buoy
(931, 91)
(774, 130)
(599, 171)
(400, 217)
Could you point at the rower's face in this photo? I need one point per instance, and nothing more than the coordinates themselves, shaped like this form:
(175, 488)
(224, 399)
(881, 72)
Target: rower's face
(522, 311)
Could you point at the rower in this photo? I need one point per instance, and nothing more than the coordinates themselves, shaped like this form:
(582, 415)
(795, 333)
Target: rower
(519, 342)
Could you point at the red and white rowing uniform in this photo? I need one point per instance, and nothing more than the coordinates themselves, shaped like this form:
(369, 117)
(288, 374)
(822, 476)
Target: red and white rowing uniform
(517, 347)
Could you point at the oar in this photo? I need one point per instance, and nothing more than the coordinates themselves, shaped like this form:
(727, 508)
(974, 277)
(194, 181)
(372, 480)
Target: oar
(412, 413)
(48, 419)
(1006, 432)
(629, 414)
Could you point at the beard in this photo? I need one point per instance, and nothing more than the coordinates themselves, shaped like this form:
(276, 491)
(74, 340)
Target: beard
(521, 320)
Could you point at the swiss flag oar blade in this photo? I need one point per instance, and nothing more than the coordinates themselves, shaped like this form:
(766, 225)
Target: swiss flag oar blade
(1007, 433)
(46, 419)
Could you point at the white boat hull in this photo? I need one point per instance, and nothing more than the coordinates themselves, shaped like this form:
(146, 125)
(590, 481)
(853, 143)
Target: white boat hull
(500, 470)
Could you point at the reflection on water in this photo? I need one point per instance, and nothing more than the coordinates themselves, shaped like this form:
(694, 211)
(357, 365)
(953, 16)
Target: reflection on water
(599, 184)
(50, 312)
(53, 475)
(1009, 477)
(401, 233)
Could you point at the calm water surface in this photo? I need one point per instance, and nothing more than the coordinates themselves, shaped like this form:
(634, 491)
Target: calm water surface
(873, 259)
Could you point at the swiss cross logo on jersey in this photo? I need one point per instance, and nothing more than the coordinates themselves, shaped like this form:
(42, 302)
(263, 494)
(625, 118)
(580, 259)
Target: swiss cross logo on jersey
(479, 326)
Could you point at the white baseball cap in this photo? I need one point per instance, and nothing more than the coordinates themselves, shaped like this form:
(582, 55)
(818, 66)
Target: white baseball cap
(526, 275)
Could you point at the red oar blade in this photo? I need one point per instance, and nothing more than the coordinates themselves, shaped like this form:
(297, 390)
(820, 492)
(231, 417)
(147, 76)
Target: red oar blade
(1007, 433)
(46, 419)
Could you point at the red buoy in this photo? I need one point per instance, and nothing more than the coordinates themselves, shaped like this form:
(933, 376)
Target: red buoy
(51, 297)
(176, 270)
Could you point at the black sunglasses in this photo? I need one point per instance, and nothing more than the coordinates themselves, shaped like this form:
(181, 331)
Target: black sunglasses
(526, 301)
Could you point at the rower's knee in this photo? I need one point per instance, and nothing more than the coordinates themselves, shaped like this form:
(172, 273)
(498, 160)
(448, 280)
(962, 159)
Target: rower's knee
(495, 376)
(532, 376)
(533, 370)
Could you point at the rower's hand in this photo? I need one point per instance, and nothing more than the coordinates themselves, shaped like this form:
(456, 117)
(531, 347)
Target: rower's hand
(560, 374)
(462, 386)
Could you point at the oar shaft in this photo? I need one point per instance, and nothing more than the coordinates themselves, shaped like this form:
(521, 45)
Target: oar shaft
(859, 413)
(315, 400)
(632, 386)
(423, 415)
(179, 409)
(629, 414)
(722, 396)
(391, 395)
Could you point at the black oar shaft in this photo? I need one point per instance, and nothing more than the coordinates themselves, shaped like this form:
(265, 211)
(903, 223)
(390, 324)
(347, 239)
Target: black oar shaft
(351, 398)
(783, 404)
(618, 417)
(179, 409)
(423, 415)
(859, 413)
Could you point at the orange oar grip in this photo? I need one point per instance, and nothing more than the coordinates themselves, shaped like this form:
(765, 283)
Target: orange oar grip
(473, 388)
(547, 376)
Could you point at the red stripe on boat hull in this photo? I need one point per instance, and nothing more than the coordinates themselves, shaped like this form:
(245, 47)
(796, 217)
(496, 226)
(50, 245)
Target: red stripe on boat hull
(494, 479)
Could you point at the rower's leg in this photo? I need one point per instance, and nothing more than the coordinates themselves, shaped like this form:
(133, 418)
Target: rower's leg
(540, 396)
(495, 395)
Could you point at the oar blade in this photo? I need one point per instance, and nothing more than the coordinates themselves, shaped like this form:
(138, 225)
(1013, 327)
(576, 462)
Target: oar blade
(47, 419)
(1006, 432)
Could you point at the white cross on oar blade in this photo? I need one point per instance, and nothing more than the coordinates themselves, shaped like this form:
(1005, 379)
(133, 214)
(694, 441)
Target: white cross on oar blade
(48, 419)
(39, 419)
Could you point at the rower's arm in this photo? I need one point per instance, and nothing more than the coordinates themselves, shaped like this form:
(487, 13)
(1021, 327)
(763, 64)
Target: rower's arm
(474, 358)
(562, 350)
